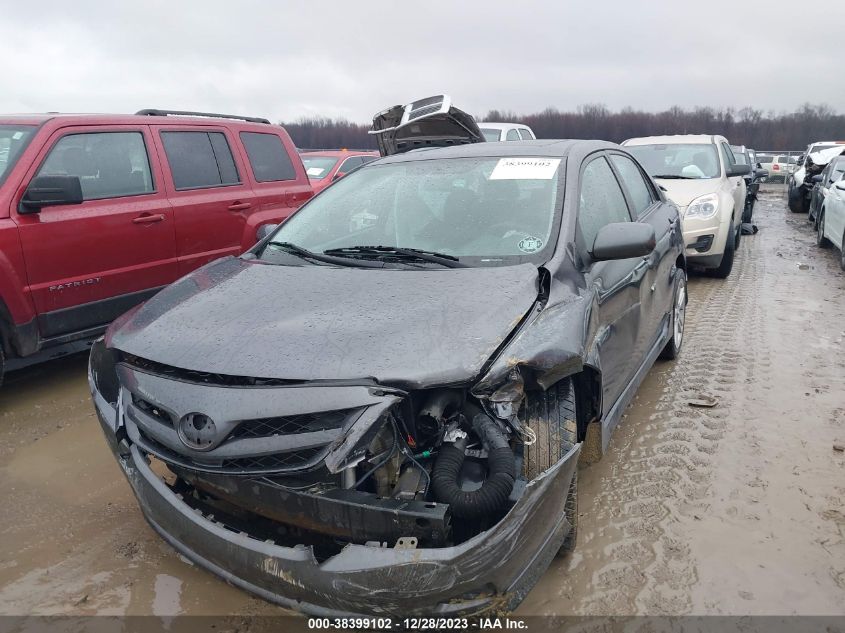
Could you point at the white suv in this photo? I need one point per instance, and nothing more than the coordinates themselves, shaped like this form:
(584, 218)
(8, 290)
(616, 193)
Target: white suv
(506, 132)
(700, 175)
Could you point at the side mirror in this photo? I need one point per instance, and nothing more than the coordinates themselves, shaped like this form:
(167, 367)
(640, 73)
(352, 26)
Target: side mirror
(761, 173)
(817, 178)
(737, 170)
(621, 240)
(49, 191)
(264, 230)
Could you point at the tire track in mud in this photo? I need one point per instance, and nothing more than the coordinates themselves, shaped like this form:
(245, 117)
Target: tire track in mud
(633, 557)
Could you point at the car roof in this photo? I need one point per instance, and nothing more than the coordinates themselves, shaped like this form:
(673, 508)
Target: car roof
(555, 148)
(500, 126)
(674, 139)
(117, 119)
(339, 153)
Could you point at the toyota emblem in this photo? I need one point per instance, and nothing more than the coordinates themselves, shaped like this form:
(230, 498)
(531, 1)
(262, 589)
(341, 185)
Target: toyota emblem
(197, 431)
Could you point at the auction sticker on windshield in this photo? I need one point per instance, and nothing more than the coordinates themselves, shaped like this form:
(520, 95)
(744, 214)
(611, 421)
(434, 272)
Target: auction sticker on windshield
(525, 169)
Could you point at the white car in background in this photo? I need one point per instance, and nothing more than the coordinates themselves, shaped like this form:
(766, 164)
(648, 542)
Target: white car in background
(831, 224)
(700, 175)
(506, 132)
(815, 159)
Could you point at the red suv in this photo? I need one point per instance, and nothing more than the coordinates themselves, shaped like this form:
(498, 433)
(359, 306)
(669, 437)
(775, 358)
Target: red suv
(98, 212)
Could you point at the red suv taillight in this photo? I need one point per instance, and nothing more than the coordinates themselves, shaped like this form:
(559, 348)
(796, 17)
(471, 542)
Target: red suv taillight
(775, 167)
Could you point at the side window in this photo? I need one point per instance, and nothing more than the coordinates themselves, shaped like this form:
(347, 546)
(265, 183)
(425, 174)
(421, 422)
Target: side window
(108, 164)
(512, 135)
(349, 164)
(601, 201)
(727, 156)
(267, 157)
(199, 159)
(641, 193)
(526, 134)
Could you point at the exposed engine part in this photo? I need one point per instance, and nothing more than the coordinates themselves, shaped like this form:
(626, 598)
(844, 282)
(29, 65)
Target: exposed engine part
(349, 477)
(438, 408)
(501, 473)
(411, 483)
(386, 460)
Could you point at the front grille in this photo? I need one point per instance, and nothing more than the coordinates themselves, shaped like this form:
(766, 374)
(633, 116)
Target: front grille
(291, 424)
(265, 464)
(152, 410)
(272, 462)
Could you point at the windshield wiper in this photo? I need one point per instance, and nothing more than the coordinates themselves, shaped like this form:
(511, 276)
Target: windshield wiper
(434, 257)
(304, 253)
(676, 177)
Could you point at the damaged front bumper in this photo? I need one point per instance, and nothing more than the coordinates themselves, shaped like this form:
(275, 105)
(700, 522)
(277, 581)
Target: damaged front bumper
(490, 572)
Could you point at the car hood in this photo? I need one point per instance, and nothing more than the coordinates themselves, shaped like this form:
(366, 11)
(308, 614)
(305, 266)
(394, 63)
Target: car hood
(411, 328)
(682, 192)
(430, 122)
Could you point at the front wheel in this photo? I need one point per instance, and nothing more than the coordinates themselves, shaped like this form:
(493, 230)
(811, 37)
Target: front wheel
(842, 253)
(677, 318)
(552, 416)
(727, 263)
(821, 240)
(797, 202)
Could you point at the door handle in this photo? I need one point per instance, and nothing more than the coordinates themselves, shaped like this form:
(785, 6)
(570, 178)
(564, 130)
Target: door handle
(148, 219)
(239, 206)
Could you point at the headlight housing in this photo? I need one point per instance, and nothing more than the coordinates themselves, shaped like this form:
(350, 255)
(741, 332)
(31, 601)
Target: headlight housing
(703, 207)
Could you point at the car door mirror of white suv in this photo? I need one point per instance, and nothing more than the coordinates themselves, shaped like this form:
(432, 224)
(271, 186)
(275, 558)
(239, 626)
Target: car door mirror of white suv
(622, 240)
(841, 184)
(738, 170)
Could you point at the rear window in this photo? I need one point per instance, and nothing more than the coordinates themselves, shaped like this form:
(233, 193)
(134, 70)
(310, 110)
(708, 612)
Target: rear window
(199, 159)
(490, 134)
(267, 157)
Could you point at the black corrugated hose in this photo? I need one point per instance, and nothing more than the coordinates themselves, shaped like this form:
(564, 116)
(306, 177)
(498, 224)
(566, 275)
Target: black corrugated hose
(501, 473)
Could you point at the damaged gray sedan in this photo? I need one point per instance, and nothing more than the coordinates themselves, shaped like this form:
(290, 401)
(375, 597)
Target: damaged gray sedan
(379, 409)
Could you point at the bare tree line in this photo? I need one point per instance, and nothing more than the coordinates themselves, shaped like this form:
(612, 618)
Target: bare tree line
(747, 126)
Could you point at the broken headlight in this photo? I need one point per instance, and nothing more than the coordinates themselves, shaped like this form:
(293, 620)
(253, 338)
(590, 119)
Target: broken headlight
(103, 370)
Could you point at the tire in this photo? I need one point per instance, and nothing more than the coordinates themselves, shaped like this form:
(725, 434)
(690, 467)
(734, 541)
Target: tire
(821, 240)
(727, 263)
(797, 203)
(678, 317)
(841, 263)
(552, 416)
(738, 237)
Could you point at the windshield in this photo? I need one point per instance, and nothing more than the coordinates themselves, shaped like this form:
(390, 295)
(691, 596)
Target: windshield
(13, 140)
(483, 211)
(318, 167)
(490, 134)
(694, 161)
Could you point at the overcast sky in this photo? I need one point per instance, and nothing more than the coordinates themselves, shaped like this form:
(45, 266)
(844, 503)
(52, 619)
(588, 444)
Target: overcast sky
(289, 59)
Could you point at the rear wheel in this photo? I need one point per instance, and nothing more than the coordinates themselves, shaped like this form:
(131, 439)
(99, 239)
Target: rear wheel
(678, 316)
(821, 240)
(727, 263)
(552, 416)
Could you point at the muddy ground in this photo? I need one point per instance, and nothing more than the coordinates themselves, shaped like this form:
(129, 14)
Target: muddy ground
(738, 509)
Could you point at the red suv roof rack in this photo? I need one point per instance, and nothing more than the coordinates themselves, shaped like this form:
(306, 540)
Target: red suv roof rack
(157, 112)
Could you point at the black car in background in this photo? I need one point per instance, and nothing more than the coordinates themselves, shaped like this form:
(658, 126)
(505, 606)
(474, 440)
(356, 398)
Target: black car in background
(379, 408)
(745, 156)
